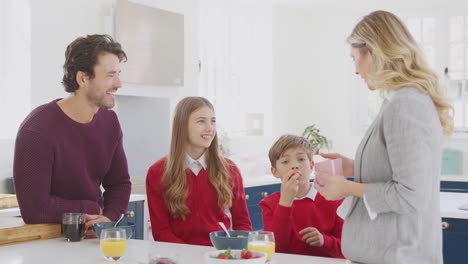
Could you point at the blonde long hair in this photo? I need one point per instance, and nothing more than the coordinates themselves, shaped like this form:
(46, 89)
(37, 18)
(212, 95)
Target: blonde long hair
(174, 180)
(399, 61)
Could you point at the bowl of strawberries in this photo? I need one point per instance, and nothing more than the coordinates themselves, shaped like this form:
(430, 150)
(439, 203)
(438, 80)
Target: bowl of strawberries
(235, 256)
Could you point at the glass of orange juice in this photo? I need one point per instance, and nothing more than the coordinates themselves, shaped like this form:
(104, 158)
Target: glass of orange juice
(263, 241)
(113, 243)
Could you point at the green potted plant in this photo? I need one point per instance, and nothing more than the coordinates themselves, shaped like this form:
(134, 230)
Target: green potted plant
(312, 134)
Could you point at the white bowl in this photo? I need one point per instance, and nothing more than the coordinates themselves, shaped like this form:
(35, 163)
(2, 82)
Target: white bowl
(235, 253)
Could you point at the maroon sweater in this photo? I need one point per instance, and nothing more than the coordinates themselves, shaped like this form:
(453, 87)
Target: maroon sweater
(202, 202)
(286, 222)
(60, 164)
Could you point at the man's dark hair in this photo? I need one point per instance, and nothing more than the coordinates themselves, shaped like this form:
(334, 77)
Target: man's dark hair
(82, 55)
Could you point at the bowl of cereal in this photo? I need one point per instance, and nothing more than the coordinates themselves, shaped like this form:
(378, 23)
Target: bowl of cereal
(238, 239)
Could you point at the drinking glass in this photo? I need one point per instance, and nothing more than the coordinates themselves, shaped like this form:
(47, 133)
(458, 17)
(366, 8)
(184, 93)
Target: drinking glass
(113, 243)
(158, 256)
(73, 226)
(263, 241)
(165, 258)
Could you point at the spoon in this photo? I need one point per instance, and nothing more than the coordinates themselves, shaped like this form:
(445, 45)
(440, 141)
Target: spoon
(224, 228)
(118, 221)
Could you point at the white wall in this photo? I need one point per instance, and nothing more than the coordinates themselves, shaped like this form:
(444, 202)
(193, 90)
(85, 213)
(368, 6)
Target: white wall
(311, 74)
(54, 24)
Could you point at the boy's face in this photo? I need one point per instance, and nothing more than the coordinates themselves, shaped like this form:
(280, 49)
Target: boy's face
(294, 159)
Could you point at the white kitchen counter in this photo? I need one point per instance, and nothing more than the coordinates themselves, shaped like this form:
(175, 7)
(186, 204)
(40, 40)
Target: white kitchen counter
(58, 251)
(449, 203)
(16, 211)
(265, 179)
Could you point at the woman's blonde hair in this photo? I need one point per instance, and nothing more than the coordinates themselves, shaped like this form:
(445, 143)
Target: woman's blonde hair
(399, 61)
(174, 180)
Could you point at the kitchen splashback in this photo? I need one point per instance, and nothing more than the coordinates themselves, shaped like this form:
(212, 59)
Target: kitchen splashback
(145, 125)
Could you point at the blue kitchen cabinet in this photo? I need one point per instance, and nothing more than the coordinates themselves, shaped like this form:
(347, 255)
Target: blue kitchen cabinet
(253, 196)
(455, 240)
(135, 214)
(454, 186)
(455, 230)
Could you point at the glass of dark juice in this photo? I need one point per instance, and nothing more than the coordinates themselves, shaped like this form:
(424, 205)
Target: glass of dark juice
(73, 226)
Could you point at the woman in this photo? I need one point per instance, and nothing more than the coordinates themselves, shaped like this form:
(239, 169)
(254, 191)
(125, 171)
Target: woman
(190, 190)
(394, 213)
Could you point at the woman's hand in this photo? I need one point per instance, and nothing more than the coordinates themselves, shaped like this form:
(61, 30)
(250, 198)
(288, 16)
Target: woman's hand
(289, 188)
(312, 236)
(332, 187)
(347, 163)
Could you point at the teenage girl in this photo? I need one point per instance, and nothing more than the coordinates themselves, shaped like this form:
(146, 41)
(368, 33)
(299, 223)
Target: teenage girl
(193, 187)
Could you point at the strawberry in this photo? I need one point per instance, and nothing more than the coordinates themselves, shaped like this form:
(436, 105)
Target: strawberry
(223, 256)
(245, 254)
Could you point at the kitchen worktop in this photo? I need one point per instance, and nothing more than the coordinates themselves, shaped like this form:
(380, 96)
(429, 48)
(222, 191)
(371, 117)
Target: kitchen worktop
(16, 211)
(265, 179)
(55, 251)
(449, 203)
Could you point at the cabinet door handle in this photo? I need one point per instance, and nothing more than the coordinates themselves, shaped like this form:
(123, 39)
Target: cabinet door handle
(247, 197)
(445, 225)
(264, 194)
(130, 214)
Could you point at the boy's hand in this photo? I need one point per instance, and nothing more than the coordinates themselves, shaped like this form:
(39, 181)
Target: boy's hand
(289, 188)
(347, 163)
(312, 236)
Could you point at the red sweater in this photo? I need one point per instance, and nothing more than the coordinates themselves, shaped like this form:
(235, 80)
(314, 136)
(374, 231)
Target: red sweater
(286, 222)
(202, 202)
(60, 165)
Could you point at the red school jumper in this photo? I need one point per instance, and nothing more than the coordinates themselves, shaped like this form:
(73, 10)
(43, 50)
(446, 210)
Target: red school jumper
(286, 222)
(202, 202)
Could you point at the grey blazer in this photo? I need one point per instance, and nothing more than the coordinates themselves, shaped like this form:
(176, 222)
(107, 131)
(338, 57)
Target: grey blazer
(400, 159)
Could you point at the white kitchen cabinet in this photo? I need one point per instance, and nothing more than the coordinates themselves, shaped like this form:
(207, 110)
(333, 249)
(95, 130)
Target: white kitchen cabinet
(154, 42)
(236, 63)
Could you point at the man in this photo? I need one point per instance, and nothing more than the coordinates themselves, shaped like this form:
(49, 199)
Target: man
(67, 148)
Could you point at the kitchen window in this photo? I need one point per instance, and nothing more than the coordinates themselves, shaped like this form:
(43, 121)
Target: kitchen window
(423, 31)
(451, 64)
(458, 70)
(15, 64)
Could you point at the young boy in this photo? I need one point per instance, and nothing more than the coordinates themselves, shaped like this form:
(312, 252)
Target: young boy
(303, 221)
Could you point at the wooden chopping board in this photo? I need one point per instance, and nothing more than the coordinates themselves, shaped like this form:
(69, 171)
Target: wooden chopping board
(13, 230)
(8, 201)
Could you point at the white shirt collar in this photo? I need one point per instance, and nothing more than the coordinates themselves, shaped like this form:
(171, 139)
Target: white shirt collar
(390, 94)
(195, 165)
(311, 194)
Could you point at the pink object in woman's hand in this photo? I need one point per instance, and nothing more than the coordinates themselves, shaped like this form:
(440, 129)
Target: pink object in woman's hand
(333, 167)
